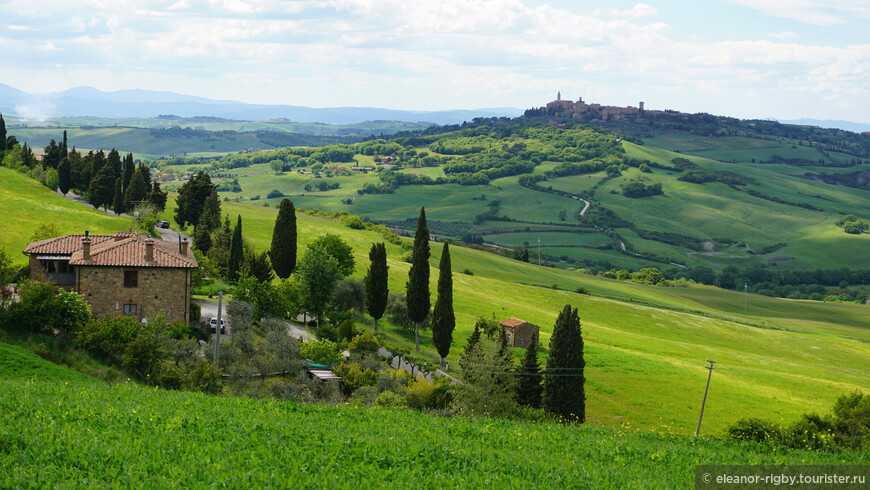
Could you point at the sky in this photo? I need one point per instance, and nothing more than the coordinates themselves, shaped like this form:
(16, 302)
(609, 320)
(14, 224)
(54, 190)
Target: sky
(783, 59)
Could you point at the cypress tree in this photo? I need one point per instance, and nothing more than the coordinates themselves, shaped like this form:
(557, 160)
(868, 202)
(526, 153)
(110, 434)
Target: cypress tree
(377, 289)
(129, 168)
(529, 388)
(417, 288)
(283, 250)
(118, 202)
(202, 239)
(210, 218)
(236, 253)
(2, 135)
(114, 159)
(63, 147)
(443, 319)
(64, 176)
(136, 192)
(564, 392)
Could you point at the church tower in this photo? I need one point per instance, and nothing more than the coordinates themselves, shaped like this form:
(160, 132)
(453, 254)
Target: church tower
(559, 95)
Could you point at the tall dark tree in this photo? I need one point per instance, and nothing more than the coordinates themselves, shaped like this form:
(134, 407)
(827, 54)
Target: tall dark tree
(101, 191)
(191, 199)
(64, 149)
(52, 155)
(443, 318)
(27, 156)
(2, 137)
(564, 379)
(113, 159)
(377, 288)
(283, 250)
(158, 199)
(236, 252)
(529, 387)
(146, 174)
(417, 288)
(118, 202)
(525, 257)
(136, 191)
(202, 240)
(64, 176)
(210, 219)
(127, 174)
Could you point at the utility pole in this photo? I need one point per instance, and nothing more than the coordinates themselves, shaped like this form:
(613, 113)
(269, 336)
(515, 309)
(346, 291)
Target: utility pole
(217, 331)
(745, 298)
(704, 401)
(539, 251)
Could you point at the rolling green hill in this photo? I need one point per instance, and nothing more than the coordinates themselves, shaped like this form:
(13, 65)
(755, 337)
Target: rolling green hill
(645, 345)
(25, 204)
(58, 428)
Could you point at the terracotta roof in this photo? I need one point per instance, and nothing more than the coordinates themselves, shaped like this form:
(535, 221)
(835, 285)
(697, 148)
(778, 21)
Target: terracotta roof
(118, 250)
(63, 245)
(513, 322)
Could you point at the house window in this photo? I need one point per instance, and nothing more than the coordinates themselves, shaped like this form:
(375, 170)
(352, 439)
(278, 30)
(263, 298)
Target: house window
(131, 279)
(130, 309)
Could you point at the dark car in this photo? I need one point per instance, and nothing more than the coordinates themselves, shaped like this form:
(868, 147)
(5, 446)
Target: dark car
(163, 224)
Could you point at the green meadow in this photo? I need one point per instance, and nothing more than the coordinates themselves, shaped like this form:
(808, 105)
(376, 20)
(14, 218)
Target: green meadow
(25, 204)
(60, 428)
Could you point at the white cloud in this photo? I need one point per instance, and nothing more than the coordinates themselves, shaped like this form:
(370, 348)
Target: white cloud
(815, 12)
(784, 35)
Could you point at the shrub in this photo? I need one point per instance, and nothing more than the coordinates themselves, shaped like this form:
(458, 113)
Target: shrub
(354, 377)
(388, 399)
(365, 344)
(195, 312)
(428, 395)
(753, 429)
(108, 338)
(274, 193)
(323, 351)
(350, 294)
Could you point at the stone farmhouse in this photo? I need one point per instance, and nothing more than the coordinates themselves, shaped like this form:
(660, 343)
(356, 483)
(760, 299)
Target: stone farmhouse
(520, 332)
(124, 273)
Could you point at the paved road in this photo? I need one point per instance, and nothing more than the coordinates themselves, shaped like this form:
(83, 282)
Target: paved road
(584, 207)
(209, 309)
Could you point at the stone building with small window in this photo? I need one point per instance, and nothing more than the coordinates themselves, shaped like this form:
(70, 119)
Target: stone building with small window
(520, 332)
(124, 273)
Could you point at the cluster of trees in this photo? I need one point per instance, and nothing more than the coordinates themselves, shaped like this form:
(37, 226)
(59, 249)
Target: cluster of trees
(493, 385)
(851, 224)
(639, 189)
(106, 180)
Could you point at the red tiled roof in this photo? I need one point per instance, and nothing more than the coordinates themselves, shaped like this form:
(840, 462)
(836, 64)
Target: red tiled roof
(512, 322)
(63, 245)
(119, 250)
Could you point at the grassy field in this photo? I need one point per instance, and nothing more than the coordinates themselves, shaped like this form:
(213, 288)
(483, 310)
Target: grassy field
(58, 428)
(24, 204)
(646, 345)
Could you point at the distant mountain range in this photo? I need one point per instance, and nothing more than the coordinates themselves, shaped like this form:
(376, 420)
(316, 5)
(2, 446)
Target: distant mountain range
(88, 101)
(829, 123)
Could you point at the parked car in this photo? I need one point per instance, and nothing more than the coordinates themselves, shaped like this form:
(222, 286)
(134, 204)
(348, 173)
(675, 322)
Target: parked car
(163, 224)
(213, 324)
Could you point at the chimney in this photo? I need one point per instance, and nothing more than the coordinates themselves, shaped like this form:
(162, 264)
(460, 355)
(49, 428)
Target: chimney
(149, 249)
(184, 247)
(86, 248)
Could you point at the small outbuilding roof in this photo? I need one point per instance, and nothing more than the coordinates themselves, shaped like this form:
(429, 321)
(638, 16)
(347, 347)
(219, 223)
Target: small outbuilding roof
(514, 322)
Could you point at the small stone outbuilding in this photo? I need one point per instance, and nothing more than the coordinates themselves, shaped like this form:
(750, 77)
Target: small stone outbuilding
(124, 273)
(520, 332)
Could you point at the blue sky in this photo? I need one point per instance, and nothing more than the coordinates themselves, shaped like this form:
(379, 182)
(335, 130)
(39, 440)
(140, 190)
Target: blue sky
(745, 58)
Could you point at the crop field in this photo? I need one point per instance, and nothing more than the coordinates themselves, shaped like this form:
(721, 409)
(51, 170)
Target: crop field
(741, 148)
(671, 330)
(24, 204)
(91, 434)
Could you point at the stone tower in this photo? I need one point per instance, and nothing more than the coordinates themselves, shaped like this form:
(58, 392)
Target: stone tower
(559, 95)
(641, 105)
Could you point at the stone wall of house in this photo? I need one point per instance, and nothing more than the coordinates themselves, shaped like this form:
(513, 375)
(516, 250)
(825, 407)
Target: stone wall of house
(523, 335)
(158, 289)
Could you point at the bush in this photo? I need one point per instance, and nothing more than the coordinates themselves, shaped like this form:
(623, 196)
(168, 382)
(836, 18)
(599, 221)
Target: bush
(274, 193)
(365, 344)
(350, 294)
(388, 399)
(753, 429)
(195, 312)
(108, 338)
(428, 395)
(354, 377)
(43, 308)
(323, 351)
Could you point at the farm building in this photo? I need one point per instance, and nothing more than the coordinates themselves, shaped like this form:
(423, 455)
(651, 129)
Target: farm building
(124, 273)
(520, 332)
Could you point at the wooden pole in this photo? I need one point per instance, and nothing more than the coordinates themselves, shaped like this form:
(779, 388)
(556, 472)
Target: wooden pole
(704, 401)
